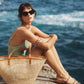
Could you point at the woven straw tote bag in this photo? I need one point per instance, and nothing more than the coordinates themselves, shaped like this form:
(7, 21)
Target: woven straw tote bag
(20, 69)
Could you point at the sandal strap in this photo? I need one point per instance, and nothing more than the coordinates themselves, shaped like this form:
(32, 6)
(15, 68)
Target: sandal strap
(67, 78)
(75, 82)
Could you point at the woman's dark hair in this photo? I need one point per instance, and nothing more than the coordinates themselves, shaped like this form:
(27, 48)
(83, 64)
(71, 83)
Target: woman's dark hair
(22, 7)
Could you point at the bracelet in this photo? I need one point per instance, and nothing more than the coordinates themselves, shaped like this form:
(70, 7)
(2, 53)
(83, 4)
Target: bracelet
(38, 42)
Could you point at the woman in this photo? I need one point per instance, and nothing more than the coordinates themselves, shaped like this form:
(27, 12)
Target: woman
(26, 34)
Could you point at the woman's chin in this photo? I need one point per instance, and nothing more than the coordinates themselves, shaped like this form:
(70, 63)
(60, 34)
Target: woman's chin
(29, 21)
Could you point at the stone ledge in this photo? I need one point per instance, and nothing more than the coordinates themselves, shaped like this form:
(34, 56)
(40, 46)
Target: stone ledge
(46, 76)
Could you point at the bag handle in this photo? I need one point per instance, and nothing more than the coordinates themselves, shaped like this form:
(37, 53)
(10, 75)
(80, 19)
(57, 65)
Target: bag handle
(9, 57)
(29, 55)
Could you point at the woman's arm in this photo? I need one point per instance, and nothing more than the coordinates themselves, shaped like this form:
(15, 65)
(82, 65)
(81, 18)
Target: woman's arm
(28, 35)
(40, 33)
(51, 38)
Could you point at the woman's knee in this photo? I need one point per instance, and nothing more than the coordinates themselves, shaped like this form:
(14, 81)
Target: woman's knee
(39, 51)
(49, 50)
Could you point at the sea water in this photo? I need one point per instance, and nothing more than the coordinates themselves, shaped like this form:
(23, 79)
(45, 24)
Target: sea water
(65, 18)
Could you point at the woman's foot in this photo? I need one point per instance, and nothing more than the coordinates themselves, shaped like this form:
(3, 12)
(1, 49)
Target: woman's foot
(68, 80)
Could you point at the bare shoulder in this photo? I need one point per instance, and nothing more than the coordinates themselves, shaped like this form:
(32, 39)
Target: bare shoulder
(21, 31)
(35, 29)
(20, 28)
(16, 29)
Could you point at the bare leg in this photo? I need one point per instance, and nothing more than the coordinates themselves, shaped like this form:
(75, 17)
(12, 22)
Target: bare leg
(58, 60)
(56, 57)
(54, 61)
(51, 59)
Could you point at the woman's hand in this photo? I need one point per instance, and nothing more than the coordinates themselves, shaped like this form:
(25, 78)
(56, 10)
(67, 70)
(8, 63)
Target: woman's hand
(50, 41)
(51, 35)
(42, 39)
(54, 35)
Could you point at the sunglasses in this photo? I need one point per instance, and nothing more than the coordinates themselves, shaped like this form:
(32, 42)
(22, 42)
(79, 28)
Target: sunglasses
(26, 13)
